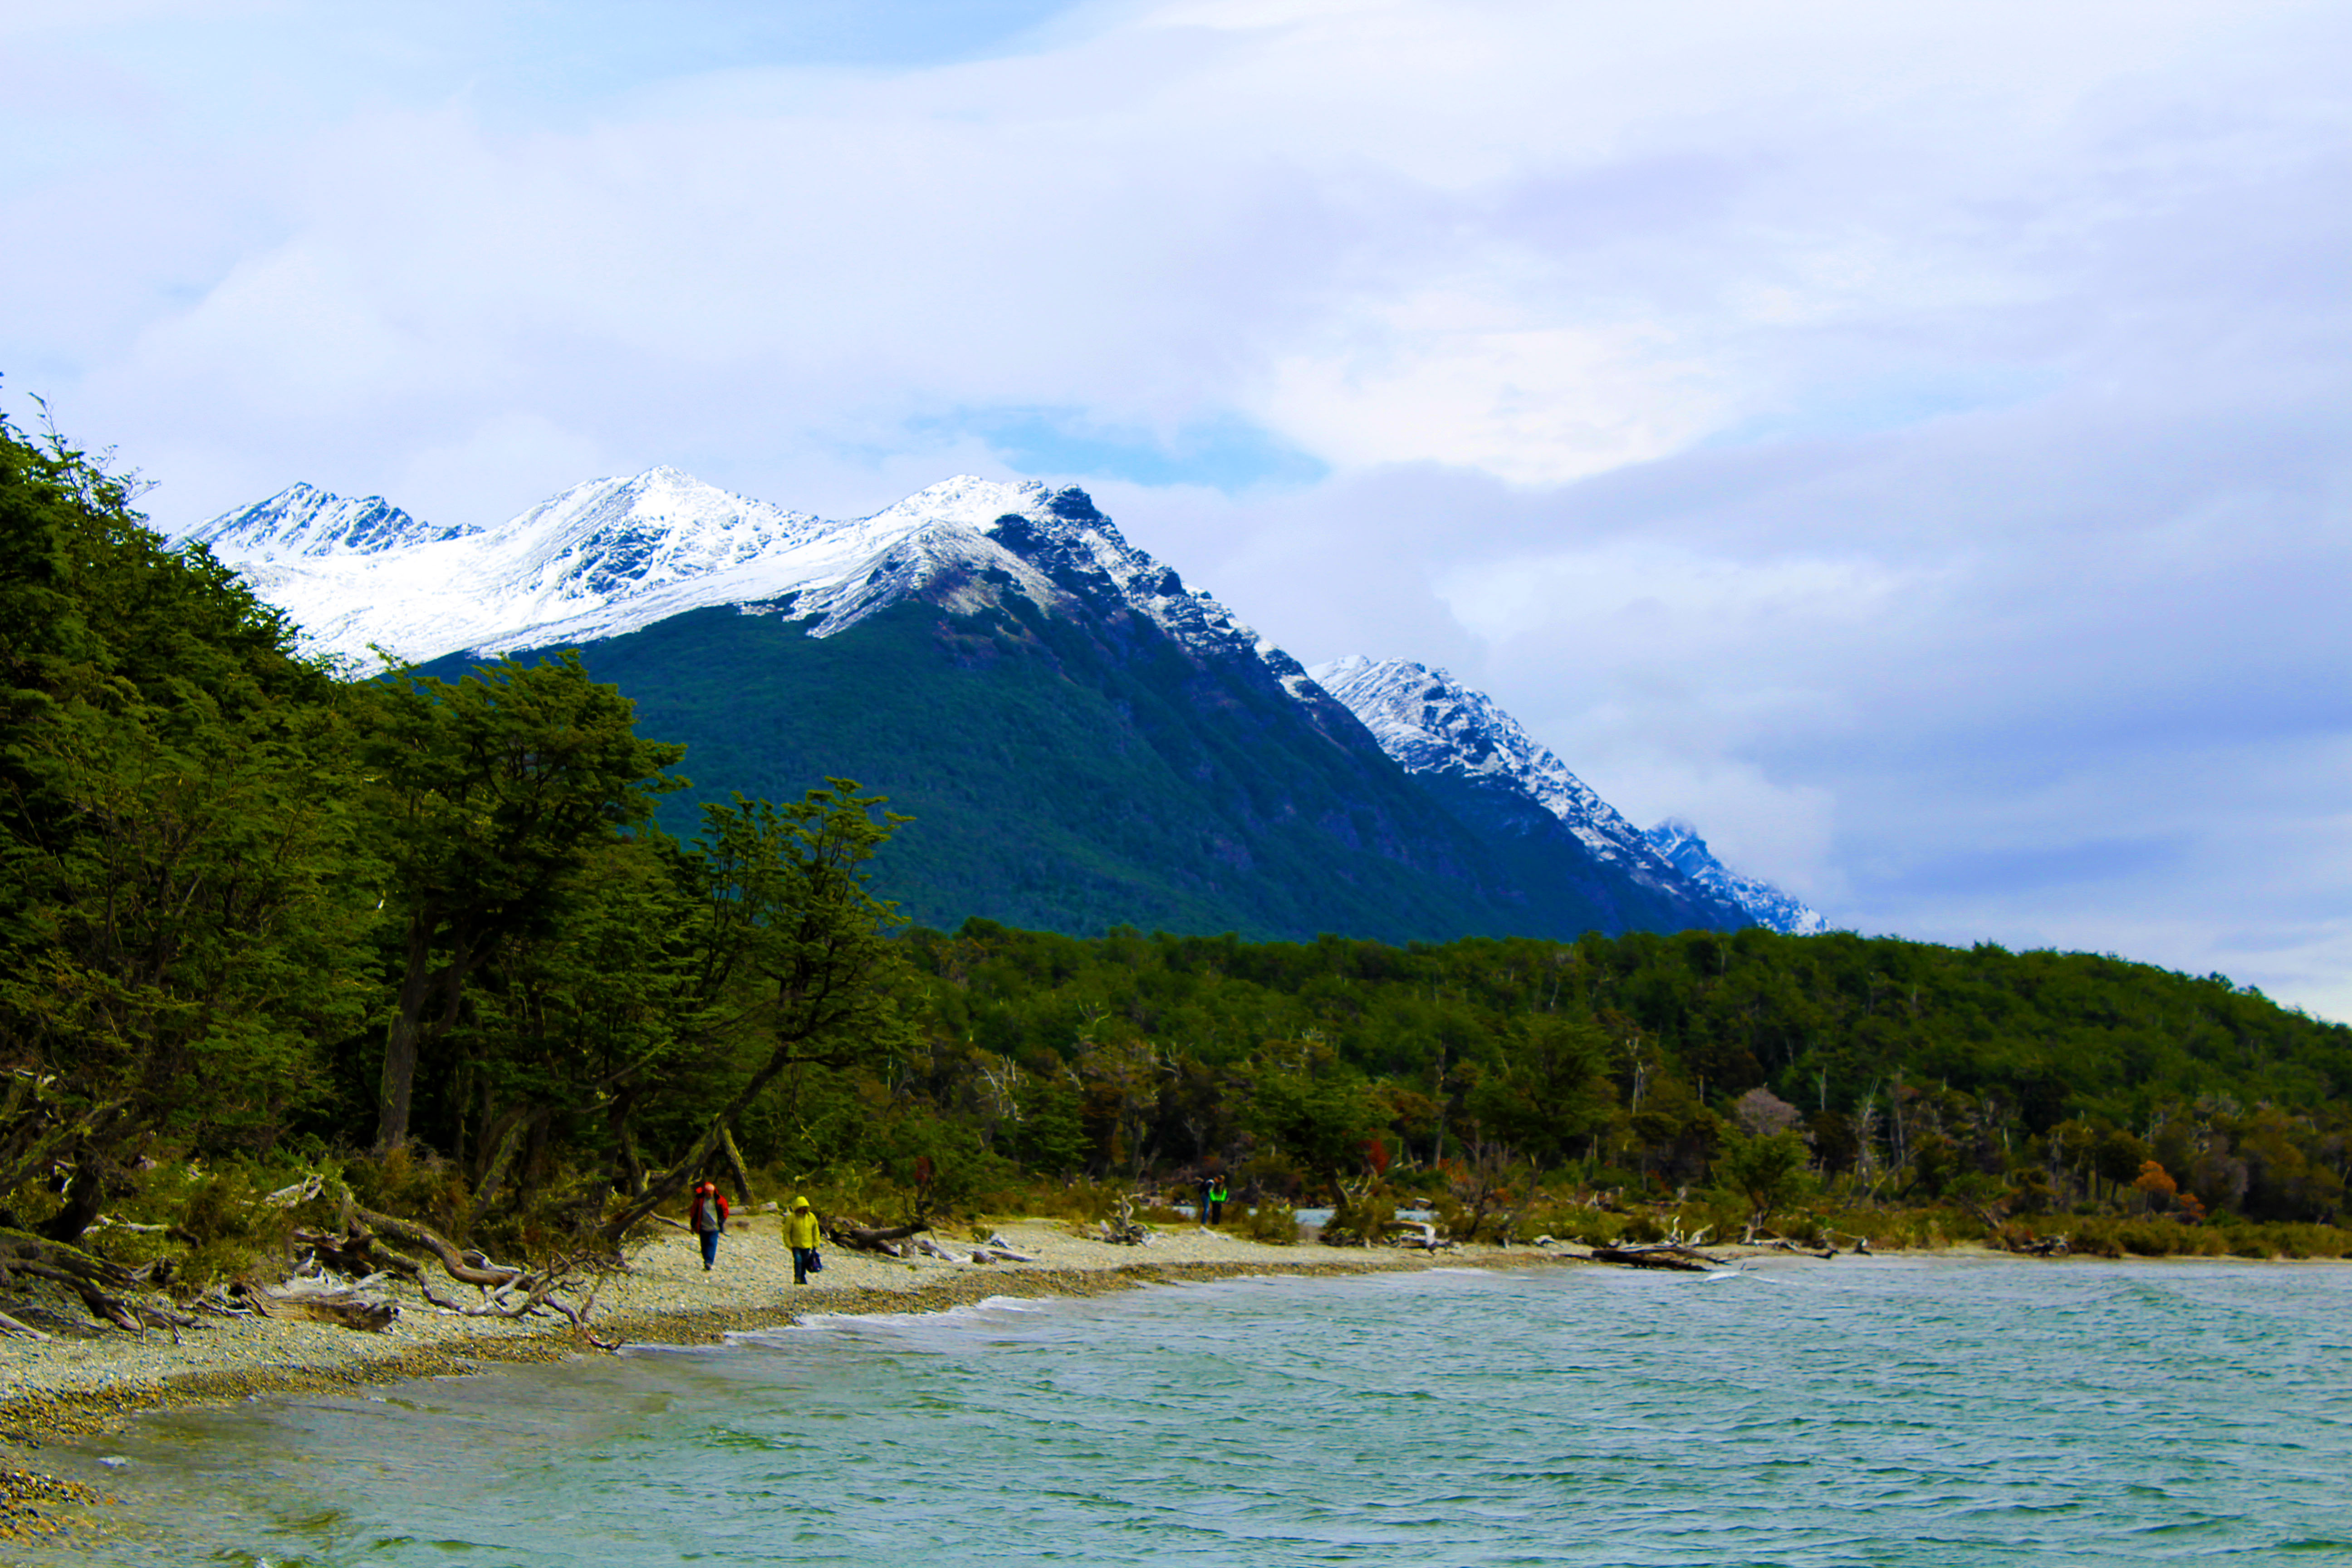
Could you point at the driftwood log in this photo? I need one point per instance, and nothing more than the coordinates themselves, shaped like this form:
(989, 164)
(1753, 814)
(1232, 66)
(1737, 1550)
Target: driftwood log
(995, 1250)
(356, 1253)
(10, 1328)
(351, 1309)
(846, 1232)
(1125, 1229)
(505, 1291)
(1419, 1233)
(2038, 1246)
(1667, 1256)
(464, 1264)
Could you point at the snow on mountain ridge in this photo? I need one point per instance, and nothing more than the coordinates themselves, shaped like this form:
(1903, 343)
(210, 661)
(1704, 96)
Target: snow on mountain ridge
(612, 555)
(421, 591)
(1683, 849)
(1428, 721)
(303, 521)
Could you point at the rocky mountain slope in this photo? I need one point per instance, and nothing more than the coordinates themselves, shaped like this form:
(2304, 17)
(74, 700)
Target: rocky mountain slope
(1456, 740)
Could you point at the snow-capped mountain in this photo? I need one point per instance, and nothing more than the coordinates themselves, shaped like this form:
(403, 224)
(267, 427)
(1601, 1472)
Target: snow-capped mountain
(1436, 726)
(1432, 723)
(1679, 842)
(1087, 740)
(615, 555)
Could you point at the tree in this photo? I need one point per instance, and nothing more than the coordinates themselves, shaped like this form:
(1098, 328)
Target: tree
(490, 792)
(565, 1025)
(790, 959)
(1766, 1172)
(181, 926)
(1318, 1114)
(1550, 1089)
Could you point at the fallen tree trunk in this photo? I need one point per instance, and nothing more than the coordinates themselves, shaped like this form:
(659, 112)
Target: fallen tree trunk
(1005, 1252)
(1417, 1233)
(508, 1291)
(348, 1309)
(538, 1293)
(1652, 1257)
(356, 1253)
(868, 1238)
(10, 1328)
(2036, 1246)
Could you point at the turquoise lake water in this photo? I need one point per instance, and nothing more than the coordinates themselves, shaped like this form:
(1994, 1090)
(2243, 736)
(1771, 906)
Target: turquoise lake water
(1862, 1412)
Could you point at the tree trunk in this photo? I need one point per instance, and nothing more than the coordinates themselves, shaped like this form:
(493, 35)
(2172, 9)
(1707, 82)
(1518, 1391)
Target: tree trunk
(84, 1195)
(494, 1172)
(471, 1268)
(679, 1170)
(400, 1042)
(735, 1164)
(870, 1239)
(628, 1165)
(1651, 1258)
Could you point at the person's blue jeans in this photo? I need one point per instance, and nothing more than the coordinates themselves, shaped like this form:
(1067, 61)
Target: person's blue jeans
(710, 1247)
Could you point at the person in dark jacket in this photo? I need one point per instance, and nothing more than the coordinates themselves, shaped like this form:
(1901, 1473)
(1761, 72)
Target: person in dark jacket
(706, 1212)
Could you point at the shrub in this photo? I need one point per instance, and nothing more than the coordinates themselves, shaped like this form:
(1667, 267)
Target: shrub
(1270, 1222)
(1363, 1219)
(217, 1214)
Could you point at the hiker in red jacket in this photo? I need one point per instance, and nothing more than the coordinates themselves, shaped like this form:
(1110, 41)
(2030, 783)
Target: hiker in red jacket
(707, 1212)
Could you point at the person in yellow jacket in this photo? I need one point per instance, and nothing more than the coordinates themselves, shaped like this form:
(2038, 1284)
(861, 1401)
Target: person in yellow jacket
(800, 1234)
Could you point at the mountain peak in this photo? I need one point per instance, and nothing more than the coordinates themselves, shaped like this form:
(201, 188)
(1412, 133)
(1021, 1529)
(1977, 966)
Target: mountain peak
(303, 521)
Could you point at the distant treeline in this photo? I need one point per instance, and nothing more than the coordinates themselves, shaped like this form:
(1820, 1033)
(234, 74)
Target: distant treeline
(1907, 1070)
(254, 909)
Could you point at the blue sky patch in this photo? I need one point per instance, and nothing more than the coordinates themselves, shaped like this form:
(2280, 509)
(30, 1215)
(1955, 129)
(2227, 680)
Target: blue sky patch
(1228, 453)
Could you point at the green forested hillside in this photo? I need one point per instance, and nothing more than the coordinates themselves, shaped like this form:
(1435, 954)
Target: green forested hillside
(1076, 776)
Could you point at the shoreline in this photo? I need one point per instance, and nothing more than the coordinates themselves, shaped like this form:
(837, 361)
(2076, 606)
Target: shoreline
(89, 1380)
(88, 1384)
(85, 1384)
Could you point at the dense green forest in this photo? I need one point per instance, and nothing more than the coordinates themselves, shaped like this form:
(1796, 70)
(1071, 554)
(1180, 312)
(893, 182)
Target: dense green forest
(258, 917)
(1897, 1072)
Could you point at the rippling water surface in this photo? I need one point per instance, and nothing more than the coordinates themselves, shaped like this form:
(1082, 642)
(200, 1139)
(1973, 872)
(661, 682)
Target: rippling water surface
(1860, 1412)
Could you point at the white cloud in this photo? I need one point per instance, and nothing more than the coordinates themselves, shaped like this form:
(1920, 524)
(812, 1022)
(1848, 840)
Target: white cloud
(1908, 439)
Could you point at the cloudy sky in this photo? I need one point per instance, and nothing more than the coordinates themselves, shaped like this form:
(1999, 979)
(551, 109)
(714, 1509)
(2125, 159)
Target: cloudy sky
(1913, 441)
